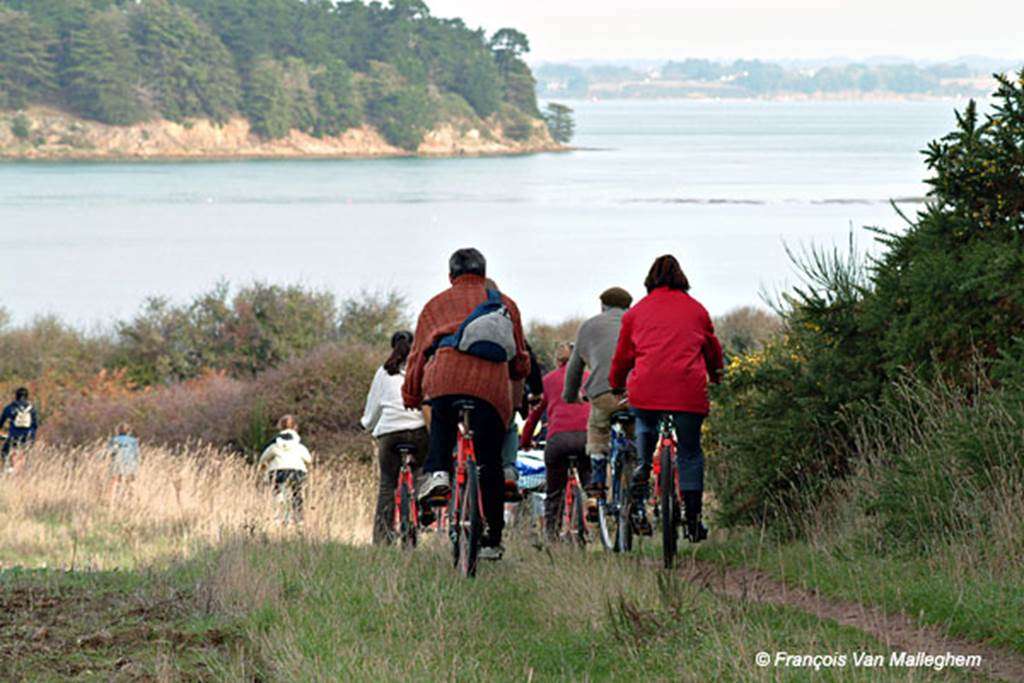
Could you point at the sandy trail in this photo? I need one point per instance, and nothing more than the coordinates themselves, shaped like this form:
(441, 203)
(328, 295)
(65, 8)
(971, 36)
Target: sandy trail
(895, 630)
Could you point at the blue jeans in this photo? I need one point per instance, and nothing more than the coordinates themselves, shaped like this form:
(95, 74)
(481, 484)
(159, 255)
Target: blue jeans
(689, 456)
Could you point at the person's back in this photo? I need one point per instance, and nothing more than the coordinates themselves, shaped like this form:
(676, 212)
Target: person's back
(286, 452)
(124, 454)
(668, 339)
(447, 371)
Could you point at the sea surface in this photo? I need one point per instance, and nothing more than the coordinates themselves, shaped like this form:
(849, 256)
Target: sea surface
(725, 186)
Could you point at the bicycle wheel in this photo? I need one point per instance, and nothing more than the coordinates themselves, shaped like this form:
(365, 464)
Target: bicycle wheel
(576, 529)
(609, 509)
(406, 516)
(624, 539)
(470, 524)
(669, 508)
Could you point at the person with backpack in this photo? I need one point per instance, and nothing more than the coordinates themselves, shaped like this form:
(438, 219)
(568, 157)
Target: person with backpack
(392, 425)
(287, 461)
(22, 422)
(469, 347)
(666, 352)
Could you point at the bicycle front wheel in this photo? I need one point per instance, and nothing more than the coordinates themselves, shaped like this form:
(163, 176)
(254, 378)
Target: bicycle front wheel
(669, 509)
(470, 523)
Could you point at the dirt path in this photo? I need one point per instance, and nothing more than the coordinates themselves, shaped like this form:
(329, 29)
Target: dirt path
(896, 631)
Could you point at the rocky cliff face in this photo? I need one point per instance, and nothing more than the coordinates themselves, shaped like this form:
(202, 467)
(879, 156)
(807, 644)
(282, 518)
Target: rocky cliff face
(48, 134)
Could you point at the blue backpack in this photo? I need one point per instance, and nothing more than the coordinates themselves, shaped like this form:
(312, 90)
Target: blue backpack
(486, 333)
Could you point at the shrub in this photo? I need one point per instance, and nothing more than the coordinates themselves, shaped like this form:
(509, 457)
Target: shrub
(777, 437)
(245, 334)
(746, 329)
(21, 127)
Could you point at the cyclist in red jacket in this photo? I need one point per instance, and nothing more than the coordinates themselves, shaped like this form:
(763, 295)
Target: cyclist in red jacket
(668, 349)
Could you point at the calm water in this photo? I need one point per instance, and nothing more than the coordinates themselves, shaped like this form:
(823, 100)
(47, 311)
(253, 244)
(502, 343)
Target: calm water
(722, 185)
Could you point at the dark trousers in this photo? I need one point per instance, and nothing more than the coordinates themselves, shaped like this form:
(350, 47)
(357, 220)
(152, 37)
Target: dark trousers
(16, 438)
(293, 481)
(390, 461)
(556, 467)
(488, 435)
(690, 457)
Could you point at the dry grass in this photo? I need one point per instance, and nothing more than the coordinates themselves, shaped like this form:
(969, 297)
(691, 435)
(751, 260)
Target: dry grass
(62, 509)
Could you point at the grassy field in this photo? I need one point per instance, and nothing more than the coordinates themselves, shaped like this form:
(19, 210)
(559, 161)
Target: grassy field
(187, 576)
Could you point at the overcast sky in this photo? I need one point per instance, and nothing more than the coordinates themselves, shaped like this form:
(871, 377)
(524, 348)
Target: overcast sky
(664, 29)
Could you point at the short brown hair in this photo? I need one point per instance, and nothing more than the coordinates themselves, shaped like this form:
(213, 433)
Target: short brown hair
(666, 272)
(288, 422)
(124, 429)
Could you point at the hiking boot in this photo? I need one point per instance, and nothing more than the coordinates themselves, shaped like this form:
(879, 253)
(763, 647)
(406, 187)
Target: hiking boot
(694, 531)
(491, 553)
(592, 515)
(435, 487)
(598, 473)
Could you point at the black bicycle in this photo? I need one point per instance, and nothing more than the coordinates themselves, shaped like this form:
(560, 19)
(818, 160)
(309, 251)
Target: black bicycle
(613, 509)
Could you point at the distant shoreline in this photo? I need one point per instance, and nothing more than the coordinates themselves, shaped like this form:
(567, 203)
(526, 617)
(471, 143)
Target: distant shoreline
(50, 135)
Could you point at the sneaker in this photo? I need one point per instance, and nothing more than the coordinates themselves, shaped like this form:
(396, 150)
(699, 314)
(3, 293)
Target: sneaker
(592, 515)
(436, 485)
(491, 553)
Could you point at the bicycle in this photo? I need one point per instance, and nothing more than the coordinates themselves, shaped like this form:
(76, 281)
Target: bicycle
(666, 478)
(574, 527)
(465, 508)
(613, 510)
(407, 514)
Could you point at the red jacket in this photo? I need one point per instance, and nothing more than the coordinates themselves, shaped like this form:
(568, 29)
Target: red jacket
(668, 342)
(450, 371)
(562, 416)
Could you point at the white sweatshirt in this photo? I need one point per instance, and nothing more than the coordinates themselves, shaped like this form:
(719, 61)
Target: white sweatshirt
(286, 453)
(385, 411)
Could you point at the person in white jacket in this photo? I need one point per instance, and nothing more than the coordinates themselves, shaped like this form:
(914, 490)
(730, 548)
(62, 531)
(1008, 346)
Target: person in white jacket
(393, 425)
(287, 462)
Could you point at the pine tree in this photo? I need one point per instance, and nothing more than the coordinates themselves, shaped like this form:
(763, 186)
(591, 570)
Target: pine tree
(560, 122)
(103, 71)
(27, 70)
(189, 72)
(336, 103)
(266, 99)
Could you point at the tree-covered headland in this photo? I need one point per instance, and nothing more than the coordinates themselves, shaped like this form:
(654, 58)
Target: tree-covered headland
(315, 66)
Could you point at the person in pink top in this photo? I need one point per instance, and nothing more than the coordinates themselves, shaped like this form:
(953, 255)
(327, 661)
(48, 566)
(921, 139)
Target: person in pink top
(566, 437)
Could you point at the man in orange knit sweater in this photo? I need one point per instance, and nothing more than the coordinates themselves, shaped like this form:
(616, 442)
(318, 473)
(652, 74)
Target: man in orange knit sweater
(442, 376)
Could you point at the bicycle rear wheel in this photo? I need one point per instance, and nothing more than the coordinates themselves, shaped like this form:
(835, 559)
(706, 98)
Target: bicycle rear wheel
(576, 530)
(669, 508)
(470, 524)
(406, 516)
